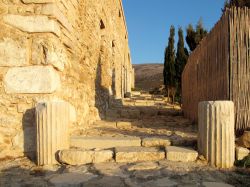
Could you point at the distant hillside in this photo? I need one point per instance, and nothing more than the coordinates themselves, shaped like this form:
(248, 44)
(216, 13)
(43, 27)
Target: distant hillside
(148, 76)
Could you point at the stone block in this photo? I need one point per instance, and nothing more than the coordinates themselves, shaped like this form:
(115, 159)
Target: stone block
(71, 179)
(48, 52)
(124, 125)
(241, 153)
(13, 53)
(216, 139)
(155, 142)
(53, 119)
(52, 10)
(136, 93)
(32, 79)
(244, 140)
(38, 1)
(79, 157)
(180, 154)
(33, 24)
(137, 154)
(104, 142)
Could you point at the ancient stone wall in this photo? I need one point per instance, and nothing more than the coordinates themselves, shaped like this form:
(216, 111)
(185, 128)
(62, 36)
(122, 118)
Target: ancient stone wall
(74, 50)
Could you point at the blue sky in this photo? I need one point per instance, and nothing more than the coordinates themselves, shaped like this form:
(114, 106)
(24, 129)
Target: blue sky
(148, 23)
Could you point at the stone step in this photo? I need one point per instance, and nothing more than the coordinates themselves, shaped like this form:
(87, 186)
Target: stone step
(82, 156)
(104, 142)
(138, 154)
(138, 113)
(155, 142)
(180, 154)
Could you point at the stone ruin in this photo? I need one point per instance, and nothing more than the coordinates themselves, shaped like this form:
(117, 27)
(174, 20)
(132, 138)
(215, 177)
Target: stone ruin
(71, 50)
(65, 69)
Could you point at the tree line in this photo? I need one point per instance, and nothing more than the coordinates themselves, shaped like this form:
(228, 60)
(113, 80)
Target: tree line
(175, 60)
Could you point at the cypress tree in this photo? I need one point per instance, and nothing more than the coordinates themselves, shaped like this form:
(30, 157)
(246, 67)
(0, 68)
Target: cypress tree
(181, 59)
(169, 65)
(169, 60)
(194, 37)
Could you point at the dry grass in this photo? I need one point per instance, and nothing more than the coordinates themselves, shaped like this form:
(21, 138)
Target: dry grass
(148, 76)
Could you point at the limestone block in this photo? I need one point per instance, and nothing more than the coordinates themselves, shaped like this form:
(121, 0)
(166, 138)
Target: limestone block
(32, 79)
(52, 118)
(155, 142)
(124, 125)
(52, 10)
(49, 52)
(137, 154)
(81, 156)
(25, 140)
(241, 153)
(244, 140)
(33, 24)
(37, 1)
(13, 53)
(216, 140)
(180, 154)
(104, 142)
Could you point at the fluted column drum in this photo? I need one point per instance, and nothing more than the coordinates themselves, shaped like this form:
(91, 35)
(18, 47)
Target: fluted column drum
(52, 119)
(216, 138)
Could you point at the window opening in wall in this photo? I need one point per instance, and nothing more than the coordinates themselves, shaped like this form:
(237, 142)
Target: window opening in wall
(102, 26)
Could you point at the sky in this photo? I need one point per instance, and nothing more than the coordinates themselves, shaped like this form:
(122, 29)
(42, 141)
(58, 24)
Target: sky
(149, 21)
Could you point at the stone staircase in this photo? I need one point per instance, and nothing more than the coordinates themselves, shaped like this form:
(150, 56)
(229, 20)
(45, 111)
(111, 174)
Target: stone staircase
(141, 128)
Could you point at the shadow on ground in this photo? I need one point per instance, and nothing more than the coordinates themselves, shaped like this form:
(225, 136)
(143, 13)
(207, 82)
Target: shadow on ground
(23, 173)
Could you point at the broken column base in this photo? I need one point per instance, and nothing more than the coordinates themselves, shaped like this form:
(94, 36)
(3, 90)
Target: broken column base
(216, 139)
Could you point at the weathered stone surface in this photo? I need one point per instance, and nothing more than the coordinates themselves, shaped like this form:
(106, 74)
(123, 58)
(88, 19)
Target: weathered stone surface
(244, 140)
(110, 169)
(156, 142)
(45, 33)
(216, 139)
(104, 142)
(53, 120)
(33, 79)
(71, 179)
(163, 182)
(124, 125)
(52, 10)
(143, 166)
(109, 181)
(135, 93)
(108, 124)
(13, 53)
(216, 184)
(137, 154)
(241, 153)
(48, 52)
(78, 156)
(33, 24)
(180, 154)
(38, 1)
(26, 140)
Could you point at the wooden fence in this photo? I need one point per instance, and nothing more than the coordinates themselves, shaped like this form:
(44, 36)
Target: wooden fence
(219, 68)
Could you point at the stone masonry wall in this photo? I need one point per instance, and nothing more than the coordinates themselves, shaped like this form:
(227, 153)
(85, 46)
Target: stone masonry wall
(75, 50)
